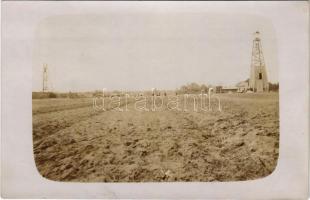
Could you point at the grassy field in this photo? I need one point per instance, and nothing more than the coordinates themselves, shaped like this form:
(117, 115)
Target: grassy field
(74, 142)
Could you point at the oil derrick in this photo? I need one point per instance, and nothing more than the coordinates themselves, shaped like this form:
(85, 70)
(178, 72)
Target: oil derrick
(45, 76)
(258, 78)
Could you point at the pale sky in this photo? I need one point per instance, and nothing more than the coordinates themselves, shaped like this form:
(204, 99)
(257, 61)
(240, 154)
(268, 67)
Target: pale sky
(138, 49)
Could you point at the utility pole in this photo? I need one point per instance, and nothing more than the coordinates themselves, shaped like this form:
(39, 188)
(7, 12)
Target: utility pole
(45, 78)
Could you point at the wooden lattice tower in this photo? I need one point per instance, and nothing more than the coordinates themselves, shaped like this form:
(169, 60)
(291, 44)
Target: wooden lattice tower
(45, 78)
(258, 78)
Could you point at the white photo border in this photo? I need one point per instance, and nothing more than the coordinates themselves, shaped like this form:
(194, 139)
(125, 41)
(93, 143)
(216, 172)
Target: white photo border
(20, 178)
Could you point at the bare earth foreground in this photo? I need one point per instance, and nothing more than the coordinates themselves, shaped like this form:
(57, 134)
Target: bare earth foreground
(73, 142)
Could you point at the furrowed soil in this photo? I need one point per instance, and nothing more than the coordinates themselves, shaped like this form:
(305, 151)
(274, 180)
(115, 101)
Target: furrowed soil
(75, 142)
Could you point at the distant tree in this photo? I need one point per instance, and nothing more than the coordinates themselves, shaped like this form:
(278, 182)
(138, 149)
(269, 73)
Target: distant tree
(183, 89)
(192, 88)
(204, 88)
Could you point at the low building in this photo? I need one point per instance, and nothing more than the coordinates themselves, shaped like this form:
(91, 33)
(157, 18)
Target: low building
(243, 86)
(229, 89)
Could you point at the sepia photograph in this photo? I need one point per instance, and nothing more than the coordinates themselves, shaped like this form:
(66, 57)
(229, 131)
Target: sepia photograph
(155, 99)
(155, 96)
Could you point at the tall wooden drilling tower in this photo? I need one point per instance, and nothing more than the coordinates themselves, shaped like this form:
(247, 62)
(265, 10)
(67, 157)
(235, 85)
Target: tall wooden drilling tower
(45, 76)
(258, 77)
